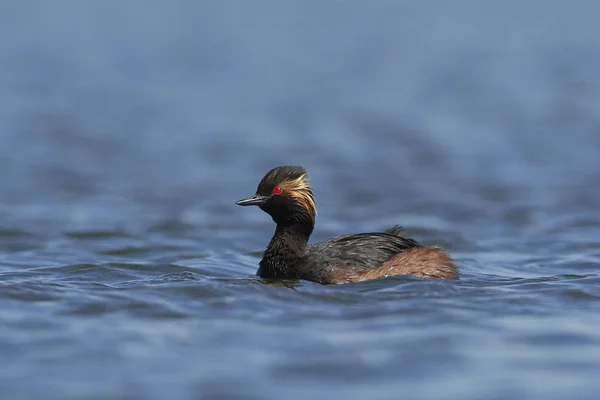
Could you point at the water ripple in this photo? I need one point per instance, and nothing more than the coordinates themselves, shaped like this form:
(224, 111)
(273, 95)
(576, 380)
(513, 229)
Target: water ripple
(127, 271)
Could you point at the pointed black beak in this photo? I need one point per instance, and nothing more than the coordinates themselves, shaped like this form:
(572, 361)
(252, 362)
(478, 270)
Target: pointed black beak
(257, 200)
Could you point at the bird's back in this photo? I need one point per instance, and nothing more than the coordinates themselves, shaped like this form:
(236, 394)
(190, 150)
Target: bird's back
(352, 255)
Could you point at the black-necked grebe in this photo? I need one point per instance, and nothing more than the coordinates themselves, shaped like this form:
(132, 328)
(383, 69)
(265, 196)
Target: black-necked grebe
(285, 194)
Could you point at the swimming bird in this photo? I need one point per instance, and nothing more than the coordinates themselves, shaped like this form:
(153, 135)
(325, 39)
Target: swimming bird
(286, 195)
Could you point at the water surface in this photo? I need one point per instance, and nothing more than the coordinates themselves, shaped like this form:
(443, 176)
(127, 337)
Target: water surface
(128, 131)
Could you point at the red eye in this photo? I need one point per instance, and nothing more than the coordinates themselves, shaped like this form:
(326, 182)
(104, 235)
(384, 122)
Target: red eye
(277, 190)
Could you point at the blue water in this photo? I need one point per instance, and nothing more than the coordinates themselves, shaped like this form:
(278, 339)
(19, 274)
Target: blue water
(129, 129)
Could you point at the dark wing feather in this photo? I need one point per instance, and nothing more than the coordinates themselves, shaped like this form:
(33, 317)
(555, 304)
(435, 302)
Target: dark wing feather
(395, 230)
(359, 251)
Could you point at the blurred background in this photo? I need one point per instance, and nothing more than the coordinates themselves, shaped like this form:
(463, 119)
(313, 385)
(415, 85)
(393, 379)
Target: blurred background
(129, 129)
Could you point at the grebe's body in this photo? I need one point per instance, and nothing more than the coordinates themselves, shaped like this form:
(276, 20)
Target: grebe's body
(285, 194)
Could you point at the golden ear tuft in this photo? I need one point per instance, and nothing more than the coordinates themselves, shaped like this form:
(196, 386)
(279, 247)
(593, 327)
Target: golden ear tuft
(300, 190)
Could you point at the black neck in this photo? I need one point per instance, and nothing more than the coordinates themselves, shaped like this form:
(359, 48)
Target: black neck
(286, 248)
